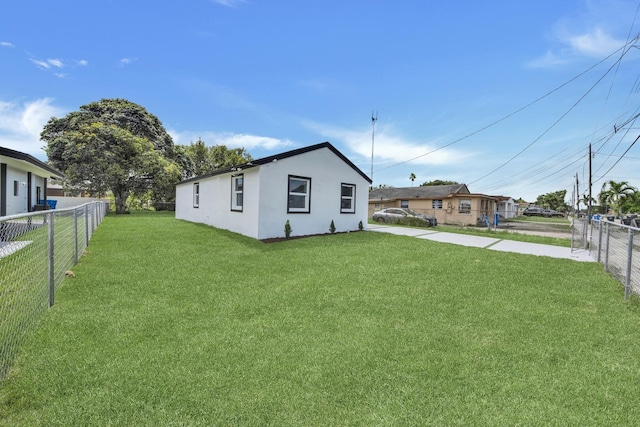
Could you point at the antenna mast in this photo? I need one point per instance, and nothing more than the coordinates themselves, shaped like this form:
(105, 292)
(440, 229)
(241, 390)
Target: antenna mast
(374, 119)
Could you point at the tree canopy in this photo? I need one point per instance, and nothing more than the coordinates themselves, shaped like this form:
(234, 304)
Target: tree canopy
(619, 196)
(115, 145)
(438, 182)
(553, 200)
(203, 159)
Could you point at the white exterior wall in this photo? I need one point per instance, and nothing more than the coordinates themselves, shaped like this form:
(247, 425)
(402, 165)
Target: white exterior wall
(508, 209)
(327, 173)
(266, 194)
(215, 203)
(16, 204)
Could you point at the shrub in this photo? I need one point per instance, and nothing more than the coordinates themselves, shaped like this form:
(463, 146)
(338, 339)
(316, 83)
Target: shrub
(287, 229)
(332, 227)
(360, 226)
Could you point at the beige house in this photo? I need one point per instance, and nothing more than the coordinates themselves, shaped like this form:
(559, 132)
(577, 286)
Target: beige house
(450, 204)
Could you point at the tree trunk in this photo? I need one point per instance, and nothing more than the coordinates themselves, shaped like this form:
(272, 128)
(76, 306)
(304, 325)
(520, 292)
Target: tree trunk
(121, 194)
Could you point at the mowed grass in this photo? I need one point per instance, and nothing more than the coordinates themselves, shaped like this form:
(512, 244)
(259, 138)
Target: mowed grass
(173, 323)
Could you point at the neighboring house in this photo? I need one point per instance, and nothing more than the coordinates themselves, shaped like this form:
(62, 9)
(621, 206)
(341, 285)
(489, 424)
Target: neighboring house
(309, 187)
(23, 182)
(507, 207)
(451, 204)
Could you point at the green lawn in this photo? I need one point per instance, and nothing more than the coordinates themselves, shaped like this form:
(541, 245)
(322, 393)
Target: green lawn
(173, 323)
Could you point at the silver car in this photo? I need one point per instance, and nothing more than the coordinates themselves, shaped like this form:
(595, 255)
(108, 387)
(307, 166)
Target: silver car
(404, 216)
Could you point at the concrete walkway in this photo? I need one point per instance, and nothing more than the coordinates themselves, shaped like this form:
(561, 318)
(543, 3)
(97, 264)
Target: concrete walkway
(486, 242)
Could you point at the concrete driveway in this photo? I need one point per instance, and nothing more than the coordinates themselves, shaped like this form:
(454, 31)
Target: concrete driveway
(491, 243)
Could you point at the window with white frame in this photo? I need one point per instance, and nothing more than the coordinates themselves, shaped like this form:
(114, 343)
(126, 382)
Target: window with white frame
(196, 195)
(404, 203)
(299, 200)
(348, 198)
(436, 204)
(16, 188)
(237, 192)
(464, 206)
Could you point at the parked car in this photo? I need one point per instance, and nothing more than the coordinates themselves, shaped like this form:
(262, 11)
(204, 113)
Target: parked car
(404, 216)
(552, 213)
(533, 211)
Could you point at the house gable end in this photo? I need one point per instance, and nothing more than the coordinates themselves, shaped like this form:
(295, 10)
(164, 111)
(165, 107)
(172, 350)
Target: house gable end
(281, 156)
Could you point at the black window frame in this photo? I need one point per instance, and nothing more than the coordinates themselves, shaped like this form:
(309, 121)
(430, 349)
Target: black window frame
(196, 194)
(307, 208)
(352, 210)
(234, 206)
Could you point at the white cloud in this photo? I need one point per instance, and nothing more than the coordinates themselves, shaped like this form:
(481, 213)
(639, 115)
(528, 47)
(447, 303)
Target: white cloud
(21, 124)
(41, 64)
(231, 140)
(229, 3)
(390, 147)
(596, 29)
(56, 62)
(6, 44)
(596, 43)
(82, 62)
(550, 59)
(126, 61)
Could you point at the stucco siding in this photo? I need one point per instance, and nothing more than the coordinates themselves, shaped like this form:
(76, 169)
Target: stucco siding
(16, 203)
(266, 195)
(327, 173)
(214, 207)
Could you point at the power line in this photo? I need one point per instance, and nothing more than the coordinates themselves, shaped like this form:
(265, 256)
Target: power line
(503, 118)
(550, 127)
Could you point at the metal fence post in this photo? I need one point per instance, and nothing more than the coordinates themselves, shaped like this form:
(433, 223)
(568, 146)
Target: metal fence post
(627, 282)
(52, 279)
(606, 254)
(86, 225)
(75, 235)
(599, 240)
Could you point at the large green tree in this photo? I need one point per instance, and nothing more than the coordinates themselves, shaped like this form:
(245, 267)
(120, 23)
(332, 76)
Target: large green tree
(113, 145)
(554, 200)
(615, 194)
(203, 159)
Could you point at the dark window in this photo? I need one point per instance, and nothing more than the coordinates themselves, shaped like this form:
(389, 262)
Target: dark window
(196, 195)
(16, 187)
(299, 196)
(348, 198)
(237, 192)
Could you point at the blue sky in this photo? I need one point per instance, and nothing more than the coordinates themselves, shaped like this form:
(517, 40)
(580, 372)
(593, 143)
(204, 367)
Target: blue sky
(449, 80)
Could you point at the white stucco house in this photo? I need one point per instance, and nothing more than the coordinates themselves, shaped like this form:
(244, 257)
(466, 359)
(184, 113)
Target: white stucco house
(309, 187)
(507, 207)
(23, 182)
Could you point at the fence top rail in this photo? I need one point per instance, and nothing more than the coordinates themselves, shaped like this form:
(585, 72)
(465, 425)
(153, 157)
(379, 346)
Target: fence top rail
(616, 224)
(38, 213)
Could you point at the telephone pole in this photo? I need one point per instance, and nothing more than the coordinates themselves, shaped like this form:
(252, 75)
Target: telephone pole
(590, 178)
(577, 196)
(374, 119)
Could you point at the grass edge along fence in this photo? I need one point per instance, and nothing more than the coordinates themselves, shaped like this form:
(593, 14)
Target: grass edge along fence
(37, 250)
(615, 246)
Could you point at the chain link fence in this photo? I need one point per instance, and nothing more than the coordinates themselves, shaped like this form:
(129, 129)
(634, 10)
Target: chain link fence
(36, 251)
(616, 246)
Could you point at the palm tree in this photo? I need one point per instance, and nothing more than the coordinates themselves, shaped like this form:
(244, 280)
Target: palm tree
(614, 194)
(412, 177)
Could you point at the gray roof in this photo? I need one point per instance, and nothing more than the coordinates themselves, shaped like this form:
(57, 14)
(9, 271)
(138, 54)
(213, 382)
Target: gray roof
(425, 192)
(24, 157)
(284, 155)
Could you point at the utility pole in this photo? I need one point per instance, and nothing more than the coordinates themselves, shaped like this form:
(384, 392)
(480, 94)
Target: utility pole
(577, 196)
(374, 119)
(590, 178)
